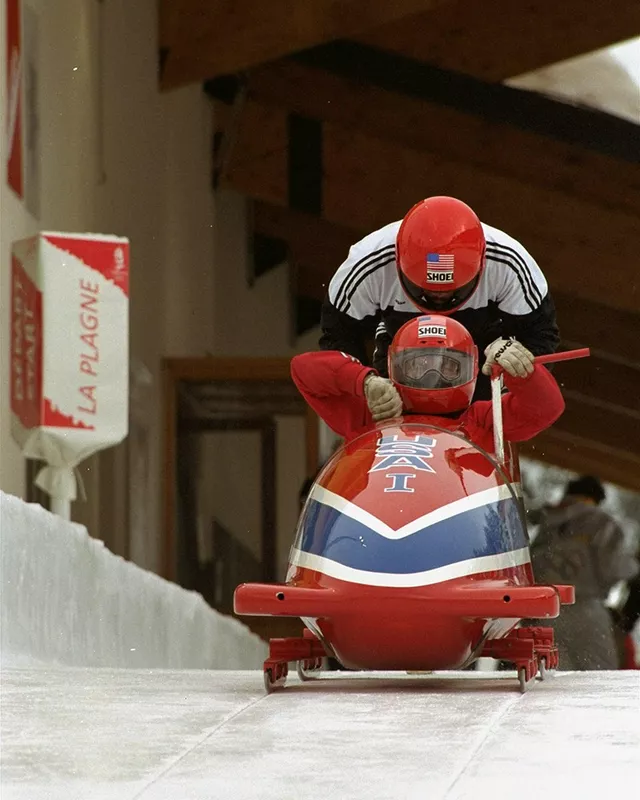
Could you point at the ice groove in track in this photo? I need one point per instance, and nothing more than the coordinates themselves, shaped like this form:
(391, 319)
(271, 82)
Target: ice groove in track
(481, 740)
(161, 773)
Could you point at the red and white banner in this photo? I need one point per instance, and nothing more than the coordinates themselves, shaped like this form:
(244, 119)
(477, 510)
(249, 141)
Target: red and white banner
(15, 177)
(69, 345)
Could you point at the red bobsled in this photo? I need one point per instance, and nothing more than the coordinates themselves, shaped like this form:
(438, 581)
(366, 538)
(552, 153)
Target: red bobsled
(411, 553)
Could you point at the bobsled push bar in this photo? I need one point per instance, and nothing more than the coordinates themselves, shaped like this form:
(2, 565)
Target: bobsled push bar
(283, 600)
(496, 393)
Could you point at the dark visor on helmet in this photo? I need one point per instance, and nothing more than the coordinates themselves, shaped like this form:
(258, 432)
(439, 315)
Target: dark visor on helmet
(438, 300)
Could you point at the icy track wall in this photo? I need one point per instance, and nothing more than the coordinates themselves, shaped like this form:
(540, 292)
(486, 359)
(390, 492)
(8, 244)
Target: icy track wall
(66, 599)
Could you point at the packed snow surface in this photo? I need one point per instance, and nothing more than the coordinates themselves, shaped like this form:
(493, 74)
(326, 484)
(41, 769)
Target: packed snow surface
(93, 734)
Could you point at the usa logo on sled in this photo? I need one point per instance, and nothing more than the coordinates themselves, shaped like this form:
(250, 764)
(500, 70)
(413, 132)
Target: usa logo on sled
(408, 454)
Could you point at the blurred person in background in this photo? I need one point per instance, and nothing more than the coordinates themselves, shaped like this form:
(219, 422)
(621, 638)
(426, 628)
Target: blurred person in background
(580, 544)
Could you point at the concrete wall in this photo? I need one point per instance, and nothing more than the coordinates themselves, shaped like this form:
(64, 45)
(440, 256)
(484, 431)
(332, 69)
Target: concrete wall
(67, 144)
(116, 156)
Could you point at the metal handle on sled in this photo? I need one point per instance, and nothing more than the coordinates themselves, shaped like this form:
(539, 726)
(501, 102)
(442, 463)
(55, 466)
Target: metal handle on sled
(567, 355)
(496, 392)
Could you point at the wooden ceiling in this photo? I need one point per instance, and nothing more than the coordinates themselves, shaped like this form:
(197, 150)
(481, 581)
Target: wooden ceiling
(500, 39)
(337, 116)
(201, 39)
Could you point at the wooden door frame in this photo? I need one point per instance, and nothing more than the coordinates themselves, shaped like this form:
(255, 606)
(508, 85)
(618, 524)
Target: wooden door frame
(266, 428)
(198, 370)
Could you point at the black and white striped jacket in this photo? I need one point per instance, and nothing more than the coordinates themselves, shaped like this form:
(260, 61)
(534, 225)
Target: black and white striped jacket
(365, 299)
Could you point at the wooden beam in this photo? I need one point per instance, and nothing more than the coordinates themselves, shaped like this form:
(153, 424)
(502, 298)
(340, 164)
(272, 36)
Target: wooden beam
(316, 247)
(587, 127)
(204, 38)
(608, 387)
(481, 140)
(505, 38)
(563, 232)
(207, 369)
(608, 428)
(612, 335)
(208, 425)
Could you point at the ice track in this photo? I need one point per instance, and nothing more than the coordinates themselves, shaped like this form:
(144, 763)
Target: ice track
(92, 734)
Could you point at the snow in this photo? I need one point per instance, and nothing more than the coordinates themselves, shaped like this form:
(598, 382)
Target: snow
(74, 734)
(66, 599)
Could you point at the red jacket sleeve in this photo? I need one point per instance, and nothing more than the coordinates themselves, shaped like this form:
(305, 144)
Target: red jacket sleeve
(531, 405)
(332, 384)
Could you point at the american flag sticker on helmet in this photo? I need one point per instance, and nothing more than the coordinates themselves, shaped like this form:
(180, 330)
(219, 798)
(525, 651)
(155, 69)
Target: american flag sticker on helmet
(443, 260)
(440, 267)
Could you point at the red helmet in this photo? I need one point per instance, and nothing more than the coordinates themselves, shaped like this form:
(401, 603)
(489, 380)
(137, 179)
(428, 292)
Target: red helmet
(433, 363)
(440, 254)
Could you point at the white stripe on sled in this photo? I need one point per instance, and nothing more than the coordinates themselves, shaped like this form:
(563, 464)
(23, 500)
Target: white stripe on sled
(461, 569)
(477, 500)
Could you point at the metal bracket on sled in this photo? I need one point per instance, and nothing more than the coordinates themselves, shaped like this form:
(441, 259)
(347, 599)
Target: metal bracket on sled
(307, 650)
(530, 649)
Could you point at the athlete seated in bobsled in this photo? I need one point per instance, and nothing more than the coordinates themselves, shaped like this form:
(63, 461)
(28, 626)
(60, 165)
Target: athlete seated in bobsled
(433, 367)
(411, 552)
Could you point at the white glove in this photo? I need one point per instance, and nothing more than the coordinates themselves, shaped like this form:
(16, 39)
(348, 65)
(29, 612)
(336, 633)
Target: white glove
(512, 356)
(382, 397)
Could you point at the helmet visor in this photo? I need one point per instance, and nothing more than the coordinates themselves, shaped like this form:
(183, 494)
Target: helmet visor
(431, 368)
(435, 301)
